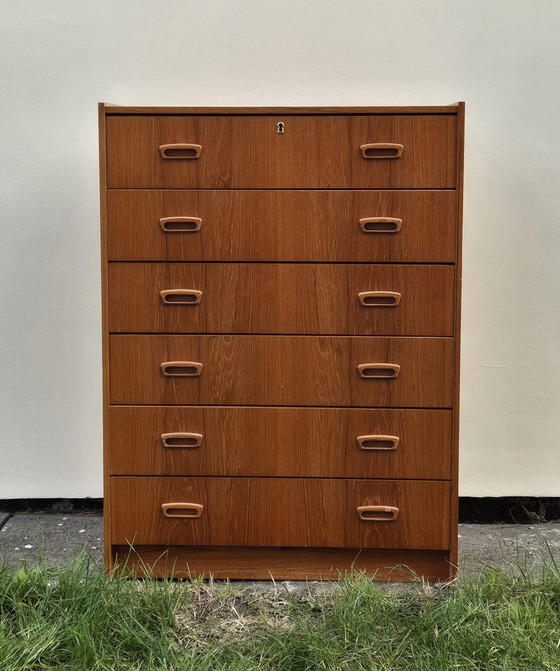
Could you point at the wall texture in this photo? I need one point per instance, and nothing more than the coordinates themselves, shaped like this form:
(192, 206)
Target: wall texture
(58, 59)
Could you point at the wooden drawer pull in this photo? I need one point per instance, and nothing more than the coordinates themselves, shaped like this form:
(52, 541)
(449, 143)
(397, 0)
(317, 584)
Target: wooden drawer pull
(378, 513)
(181, 440)
(378, 443)
(190, 510)
(380, 224)
(181, 368)
(180, 296)
(180, 224)
(387, 371)
(379, 299)
(180, 151)
(381, 150)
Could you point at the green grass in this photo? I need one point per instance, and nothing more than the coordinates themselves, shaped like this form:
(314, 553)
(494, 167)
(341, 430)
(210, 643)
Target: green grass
(76, 618)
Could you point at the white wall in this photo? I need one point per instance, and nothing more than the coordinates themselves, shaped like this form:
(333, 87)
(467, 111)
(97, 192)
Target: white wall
(60, 58)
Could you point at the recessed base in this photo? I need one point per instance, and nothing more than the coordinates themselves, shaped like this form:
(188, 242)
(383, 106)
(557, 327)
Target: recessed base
(266, 563)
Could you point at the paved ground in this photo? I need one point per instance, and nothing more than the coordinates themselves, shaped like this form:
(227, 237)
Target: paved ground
(506, 545)
(59, 537)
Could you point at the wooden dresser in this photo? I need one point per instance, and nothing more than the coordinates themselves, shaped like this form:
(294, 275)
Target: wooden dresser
(281, 294)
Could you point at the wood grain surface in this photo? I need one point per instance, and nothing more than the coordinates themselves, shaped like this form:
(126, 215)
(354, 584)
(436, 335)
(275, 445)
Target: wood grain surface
(111, 109)
(280, 512)
(454, 446)
(259, 563)
(266, 441)
(281, 370)
(107, 550)
(313, 152)
(267, 225)
(304, 442)
(280, 298)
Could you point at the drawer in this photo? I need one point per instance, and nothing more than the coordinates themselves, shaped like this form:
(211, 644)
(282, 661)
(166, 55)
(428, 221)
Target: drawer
(280, 370)
(281, 298)
(280, 512)
(289, 442)
(281, 225)
(229, 152)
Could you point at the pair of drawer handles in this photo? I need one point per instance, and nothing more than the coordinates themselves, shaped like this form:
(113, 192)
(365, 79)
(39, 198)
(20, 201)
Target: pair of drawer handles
(188, 440)
(368, 371)
(372, 150)
(365, 513)
(194, 224)
(368, 299)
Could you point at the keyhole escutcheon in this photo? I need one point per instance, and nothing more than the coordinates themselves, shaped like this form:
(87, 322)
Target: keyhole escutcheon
(280, 127)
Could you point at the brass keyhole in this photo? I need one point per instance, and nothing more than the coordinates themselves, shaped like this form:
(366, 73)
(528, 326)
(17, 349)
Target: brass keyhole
(280, 127)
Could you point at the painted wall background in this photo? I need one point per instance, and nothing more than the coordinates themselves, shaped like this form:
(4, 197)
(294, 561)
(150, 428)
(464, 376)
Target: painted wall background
(58, 59)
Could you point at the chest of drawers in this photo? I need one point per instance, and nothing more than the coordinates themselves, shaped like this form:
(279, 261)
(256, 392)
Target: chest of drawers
(281, 296)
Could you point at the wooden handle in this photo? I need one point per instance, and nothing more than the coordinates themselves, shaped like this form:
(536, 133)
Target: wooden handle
(380, 224)
(181, 368)
(181, 440)
(379, 299)
(387, 371)
(190, 510)
(180, 150)
(180, 224)
(378, 513)
(180, 296)
(381, 150)
(378, 443)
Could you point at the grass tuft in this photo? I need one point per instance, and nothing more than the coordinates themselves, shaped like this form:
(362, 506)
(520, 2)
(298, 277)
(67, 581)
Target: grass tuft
(76, 617)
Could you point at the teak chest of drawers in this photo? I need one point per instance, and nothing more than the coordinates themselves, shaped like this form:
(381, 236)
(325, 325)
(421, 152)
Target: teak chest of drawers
(281, 295)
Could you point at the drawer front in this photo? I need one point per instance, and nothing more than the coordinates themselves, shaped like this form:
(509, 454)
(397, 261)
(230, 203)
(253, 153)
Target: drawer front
(280, 512)
(280, 370)
(281, 298)
(289, 442)
(313, 152)
(281, 226)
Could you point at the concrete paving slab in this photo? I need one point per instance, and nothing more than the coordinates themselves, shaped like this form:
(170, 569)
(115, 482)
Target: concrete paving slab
(60, 537)
(507, 546)
(57, 538)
